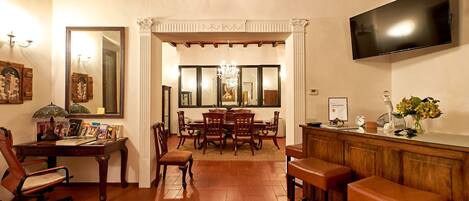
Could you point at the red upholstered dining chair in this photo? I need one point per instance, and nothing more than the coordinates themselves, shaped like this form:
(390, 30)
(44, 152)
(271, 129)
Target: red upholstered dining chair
(213, 129)
(243, 130)
(270, 131)
(185, 131)
(28, 185)
(183, 159)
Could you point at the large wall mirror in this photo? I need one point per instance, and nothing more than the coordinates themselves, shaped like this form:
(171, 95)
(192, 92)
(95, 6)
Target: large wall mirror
(95, 61)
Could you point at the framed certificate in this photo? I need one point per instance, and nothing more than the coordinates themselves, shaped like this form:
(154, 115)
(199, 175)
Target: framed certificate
(338, 108)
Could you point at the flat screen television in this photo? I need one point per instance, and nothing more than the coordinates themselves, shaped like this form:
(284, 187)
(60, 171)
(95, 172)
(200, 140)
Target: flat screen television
(400, 26)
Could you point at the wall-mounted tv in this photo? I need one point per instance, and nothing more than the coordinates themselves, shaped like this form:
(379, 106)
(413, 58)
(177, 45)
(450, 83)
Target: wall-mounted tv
(399, 26)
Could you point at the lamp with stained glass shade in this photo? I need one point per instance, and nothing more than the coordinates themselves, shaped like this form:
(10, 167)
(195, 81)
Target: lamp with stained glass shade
(50, 113)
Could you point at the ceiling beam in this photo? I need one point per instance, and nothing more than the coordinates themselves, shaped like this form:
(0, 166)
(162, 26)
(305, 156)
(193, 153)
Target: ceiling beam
(274, 44)
(230, 44)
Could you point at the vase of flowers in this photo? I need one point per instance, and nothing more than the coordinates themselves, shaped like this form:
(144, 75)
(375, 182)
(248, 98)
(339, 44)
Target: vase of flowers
(419, 109)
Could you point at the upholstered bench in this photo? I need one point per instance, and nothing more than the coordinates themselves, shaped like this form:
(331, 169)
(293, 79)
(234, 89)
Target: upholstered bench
(295, 151)
(379, 189)
(316, 172)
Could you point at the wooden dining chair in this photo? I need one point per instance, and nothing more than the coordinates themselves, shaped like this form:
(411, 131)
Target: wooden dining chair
(213, 129)
(183, 159)
(28, 185)
(270, 131)
(243, 130)
(185, 131)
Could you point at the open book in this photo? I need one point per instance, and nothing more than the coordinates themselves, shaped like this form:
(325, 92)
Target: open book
(74, 141)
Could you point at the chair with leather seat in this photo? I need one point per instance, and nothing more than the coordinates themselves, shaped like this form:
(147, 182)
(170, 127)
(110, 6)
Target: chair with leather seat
(213, 129)
(183, 159)
(243, 130)
(295, 151)
(318, 173)
(270, 131)
(375, 188)
(28, 185)
(185, 131)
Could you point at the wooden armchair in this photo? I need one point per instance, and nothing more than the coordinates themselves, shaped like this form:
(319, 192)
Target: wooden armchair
(185, 131)
(243, 130)
(270, 131)
(27, 185)
(183, 159)
(213, 129)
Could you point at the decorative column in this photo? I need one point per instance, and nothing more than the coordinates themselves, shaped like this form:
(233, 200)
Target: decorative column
(144, 177)
(299, 71)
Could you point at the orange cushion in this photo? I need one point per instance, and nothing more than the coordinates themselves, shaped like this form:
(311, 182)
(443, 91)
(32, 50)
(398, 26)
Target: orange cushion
(319, 173)
(295, 151)
(379, 189)
(176, 157)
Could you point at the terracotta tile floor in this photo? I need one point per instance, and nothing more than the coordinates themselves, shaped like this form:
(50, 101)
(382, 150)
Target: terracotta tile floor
(213, 181)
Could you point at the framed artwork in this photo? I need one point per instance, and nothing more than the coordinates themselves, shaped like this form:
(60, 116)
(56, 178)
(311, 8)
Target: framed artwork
(11, 83)
(338, 108)
(82, 88)
(228, 94)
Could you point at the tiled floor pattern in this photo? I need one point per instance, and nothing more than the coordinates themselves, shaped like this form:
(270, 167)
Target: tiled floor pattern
(213, 181)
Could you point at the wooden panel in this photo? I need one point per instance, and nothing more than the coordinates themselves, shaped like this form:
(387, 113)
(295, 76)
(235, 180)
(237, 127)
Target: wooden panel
(435, 174)
(442, 169)
(364, 159)
(325, 148)
(27, 83)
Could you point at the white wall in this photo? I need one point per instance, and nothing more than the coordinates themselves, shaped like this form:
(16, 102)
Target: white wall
(209, 55)
(28, 20)
(328, 58)
(441, 74)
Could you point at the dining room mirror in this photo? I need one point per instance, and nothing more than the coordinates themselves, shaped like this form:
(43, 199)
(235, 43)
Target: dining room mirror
(95, 60)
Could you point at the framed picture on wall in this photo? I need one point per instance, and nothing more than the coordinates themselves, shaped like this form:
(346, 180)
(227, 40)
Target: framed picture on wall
(228, 94)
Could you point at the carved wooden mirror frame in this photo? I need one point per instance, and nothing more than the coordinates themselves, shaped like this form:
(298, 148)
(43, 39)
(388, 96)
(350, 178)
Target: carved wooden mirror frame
(68, 69)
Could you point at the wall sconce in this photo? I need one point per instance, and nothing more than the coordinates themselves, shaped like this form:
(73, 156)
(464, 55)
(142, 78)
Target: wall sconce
(83, 58)
(12, 42)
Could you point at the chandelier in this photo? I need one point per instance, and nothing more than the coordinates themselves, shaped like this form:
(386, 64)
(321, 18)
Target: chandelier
(228, 73)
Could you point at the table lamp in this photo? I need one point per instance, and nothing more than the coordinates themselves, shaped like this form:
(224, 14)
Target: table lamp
(50, 112)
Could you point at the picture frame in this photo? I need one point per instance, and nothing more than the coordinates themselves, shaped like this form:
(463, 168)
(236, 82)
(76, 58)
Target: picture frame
(82, 88)
(228, 94)
(11, 83)
(338, 108)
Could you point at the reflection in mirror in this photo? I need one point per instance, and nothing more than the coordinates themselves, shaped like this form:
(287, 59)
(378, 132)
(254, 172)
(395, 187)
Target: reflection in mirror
(209, 86)
(229, 89)
(95, 60)
(270, 80)
(249, 86)
(188, 87)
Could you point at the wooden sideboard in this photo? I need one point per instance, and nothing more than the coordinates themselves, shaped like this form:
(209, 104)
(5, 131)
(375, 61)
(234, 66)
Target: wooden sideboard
(421, 162)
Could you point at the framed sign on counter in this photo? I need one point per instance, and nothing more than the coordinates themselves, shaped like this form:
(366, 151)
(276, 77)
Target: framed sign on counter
(338, 108)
